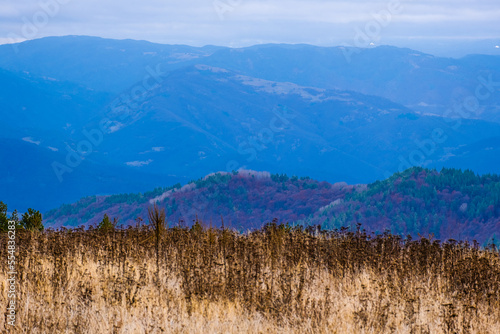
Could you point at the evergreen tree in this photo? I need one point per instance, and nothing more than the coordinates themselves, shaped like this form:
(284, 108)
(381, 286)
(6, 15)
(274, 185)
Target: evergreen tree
(32, 220)
(15, 217)
(106, 224)
(4, 221)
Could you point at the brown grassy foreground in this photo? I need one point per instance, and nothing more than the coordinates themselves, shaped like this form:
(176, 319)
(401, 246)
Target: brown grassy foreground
(277, 280)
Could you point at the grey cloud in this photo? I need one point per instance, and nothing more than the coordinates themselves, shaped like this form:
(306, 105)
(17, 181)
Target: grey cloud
(244, 22)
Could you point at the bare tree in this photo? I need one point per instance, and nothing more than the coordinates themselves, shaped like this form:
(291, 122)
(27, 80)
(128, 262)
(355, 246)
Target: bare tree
(157, 220)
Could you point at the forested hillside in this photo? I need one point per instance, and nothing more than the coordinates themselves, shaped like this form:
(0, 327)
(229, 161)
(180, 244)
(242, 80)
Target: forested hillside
(244, 199)
(448, 204)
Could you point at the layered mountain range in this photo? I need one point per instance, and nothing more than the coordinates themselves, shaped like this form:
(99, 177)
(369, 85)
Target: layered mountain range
(88, 116)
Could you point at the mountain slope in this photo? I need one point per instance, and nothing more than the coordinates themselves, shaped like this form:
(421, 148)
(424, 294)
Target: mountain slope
(39, 106)
(208, 119)
(417, 80)
(449, 204)
(244, 199)
(28, 178)
(476, 156)
(420, 81)
(203, 119)
(101, 64)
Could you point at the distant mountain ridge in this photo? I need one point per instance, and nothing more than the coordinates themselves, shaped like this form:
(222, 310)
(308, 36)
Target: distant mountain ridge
(101, 64)
(417, 80)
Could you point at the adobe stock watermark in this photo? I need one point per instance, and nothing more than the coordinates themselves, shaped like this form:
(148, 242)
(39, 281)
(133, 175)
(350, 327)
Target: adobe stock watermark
(370, 34)
(281, 119)
(122, 106)
(222, 7)
(469, 106)
(255, 144)
(11, 274)
(32, 26)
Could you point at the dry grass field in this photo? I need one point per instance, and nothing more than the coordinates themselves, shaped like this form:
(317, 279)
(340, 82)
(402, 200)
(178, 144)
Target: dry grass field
(276, 280)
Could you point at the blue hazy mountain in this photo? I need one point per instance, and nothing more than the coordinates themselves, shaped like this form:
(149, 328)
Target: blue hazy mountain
(477, 156)
(456, 48)
(296, 109)
(98, 63)
(417, 80)
(420, 81)
(28, 179)
(203, 119)
(44, 108)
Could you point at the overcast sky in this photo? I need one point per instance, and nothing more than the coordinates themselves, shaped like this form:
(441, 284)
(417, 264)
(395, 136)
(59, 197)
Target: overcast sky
(247, 22)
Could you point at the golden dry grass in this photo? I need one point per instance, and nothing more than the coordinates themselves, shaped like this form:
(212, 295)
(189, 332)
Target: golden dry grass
(277, 280)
